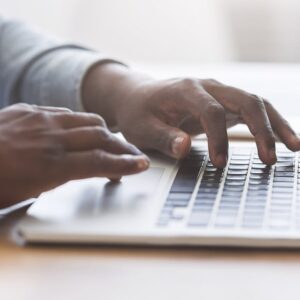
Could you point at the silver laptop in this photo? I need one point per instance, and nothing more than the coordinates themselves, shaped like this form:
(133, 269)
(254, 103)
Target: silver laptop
(189, 203)
(186, 203)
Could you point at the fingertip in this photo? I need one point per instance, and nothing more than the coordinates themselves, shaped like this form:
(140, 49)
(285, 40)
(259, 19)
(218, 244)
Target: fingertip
(143, 163)
(221, 160)
(115, 179)
(272, 158)
(181, 146)
(268, 157)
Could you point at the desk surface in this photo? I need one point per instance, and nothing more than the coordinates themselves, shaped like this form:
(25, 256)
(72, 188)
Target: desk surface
(54, 272)
(36, 273)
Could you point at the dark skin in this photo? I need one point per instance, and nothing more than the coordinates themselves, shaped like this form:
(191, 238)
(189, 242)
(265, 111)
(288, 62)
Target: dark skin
(164, 114)
(42, 148)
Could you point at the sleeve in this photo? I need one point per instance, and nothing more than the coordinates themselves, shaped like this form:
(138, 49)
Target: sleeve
(40, 69)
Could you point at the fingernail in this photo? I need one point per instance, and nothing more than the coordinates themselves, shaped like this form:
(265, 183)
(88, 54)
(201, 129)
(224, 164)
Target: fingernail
(176, 145)
(143, 163)
(221, 160)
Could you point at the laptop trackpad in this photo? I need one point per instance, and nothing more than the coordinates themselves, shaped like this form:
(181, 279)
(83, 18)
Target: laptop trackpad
(97, 198)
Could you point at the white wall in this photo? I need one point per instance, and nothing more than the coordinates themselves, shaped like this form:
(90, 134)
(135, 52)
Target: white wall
(172, 30)
(264, 30)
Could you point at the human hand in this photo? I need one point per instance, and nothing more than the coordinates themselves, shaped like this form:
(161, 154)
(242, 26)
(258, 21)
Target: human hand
(44, 147)
(164, 114)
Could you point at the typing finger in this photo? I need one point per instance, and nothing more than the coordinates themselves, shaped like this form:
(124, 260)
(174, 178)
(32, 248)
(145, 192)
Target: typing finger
(253, 112)
(282, 128)
(214, 124)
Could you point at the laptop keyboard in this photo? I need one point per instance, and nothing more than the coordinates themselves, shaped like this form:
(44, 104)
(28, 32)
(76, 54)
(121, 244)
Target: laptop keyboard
(247, 194)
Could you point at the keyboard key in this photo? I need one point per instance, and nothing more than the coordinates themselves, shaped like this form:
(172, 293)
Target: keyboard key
(236, 177)
(260, 171)
(283, 184)
(199, 218)
(283, 179)
(238, 167)
(203, 204)
(237, 172)
(283, 174)
(202, 195)
(259, 176)
(231, 194)
(239, 162)
(202, 207)
(225, 220)
(284, 168)
(240, 157)
(234, 183)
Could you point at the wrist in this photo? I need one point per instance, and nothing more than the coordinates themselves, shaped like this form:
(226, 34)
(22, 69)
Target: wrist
(107, 88)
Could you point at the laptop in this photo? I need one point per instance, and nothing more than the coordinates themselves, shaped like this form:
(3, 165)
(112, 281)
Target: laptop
(188, 202)
(178, 203)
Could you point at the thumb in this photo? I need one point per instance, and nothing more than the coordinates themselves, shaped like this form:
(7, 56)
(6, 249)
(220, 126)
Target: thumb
(167, 139)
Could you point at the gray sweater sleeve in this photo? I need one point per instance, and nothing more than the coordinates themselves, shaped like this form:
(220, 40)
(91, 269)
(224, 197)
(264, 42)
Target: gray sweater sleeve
(40, 69)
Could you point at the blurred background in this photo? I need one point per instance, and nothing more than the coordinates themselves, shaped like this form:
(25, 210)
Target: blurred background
(172, 31)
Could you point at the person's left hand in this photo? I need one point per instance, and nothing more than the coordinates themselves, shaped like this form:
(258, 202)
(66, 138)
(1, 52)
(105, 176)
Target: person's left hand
(164, 114)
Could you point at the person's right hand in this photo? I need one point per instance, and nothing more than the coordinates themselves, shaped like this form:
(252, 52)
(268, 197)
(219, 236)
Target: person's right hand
(43, 147)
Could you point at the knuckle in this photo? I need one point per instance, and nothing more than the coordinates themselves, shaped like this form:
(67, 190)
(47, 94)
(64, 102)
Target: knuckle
(98, 119)
(256, 102)
(189, 82)
(94, 119)
(210, 82)
(126, 164)
(54, 152)
(40, 117)
(97, 157)
(215, 110)
(102, 133)
(22, 107)
(267, 103)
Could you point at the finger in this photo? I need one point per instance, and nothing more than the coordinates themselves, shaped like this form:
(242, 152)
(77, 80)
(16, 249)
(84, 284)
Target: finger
(257, 120)
(282, 128)
(116, 179)
(73, 120)
(213, 121)
(96, 137)
(162, 137)
(252, 111)
(53, 109)
(33, 107)
(97, 163)
(232, 119)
